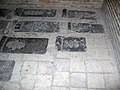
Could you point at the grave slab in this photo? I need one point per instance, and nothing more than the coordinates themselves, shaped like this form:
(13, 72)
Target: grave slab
(24, 45)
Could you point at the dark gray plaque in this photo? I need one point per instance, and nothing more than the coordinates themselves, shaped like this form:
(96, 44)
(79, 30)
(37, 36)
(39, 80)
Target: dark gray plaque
(6, 69)
(4, 12)
(35, 12)
(81, 14)
(71, 44)
(85, 27)
(24, 45)
(37, 26)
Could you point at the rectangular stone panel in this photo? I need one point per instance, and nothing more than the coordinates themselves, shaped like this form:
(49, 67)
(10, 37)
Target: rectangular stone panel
(71, 44)
(3, 25)
(6, 69)
(24, 45)
(37, 26)
(4, 12)
(81, 14)
(35, 12)
(85, 27)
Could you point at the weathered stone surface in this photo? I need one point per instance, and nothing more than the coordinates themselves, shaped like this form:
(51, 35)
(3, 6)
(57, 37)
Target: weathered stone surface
(4, 12)
(70, 43)
(3, 25)
(35, 12)
(81, 14)
(6, 68)
(24, 45)
(85, 27)
(37, 26)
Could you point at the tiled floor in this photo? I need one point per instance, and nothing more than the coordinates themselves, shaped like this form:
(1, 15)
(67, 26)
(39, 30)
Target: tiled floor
(94, 69)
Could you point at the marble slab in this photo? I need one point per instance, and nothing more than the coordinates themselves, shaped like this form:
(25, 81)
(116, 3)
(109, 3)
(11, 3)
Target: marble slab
(37, 26)
(81, 14)
(6, 69)
(72, 44)
(4, 12)
(24, 45)
(35, 12)
(85, 27)
(3, 25)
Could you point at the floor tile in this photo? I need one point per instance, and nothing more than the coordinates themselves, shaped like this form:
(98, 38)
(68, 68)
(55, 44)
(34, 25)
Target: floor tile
(78, 88)
(78, 80)
(61, 79)
(77, 65)
(109, 66)
(95, 81)
(11, 86)
(29, 67)
(60, 88)
(93, 66)
(27, 81)
(61, 65)
(43, 82)
(112, 81)
(45, 68)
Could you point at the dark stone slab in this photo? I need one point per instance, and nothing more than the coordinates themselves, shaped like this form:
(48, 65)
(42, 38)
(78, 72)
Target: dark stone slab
(4, 12)
(18, 11)
(24, 45)
(71, 44)
(37, 26)
(85, 27)
(3, 25)
(6, 69)
(35, 12)
(81, 14)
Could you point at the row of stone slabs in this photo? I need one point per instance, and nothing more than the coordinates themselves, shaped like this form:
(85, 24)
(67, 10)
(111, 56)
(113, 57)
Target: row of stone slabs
(48, 13)
(39, 45)
(45, 26)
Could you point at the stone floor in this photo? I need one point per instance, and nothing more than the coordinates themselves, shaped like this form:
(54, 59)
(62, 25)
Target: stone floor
(92, 69)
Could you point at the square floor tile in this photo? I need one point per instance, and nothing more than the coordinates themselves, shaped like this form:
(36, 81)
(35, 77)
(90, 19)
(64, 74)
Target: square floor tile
(18, 67)
(61, 65)
(45, 68)
(78, 89)
(11, 86)
(109, 66)
(27, 81)
(78, 80)
(95, 81)
(77, 65)
(29, 67)
(6, 69)
(93, 66)
(61, 79)
(112, 81)
(43, 82)
(60, 88)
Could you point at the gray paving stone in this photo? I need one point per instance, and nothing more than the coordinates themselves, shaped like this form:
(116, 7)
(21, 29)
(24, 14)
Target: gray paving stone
(11, 86)
(112, 81)
(60, 88)
(95, 81)
(29, 67)
(45, 68)
(61, 79)
(6, 69)
(61, 65)
(78, 80)
(77, 65)
(78, 88)
(27, 81)
(43, 82)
